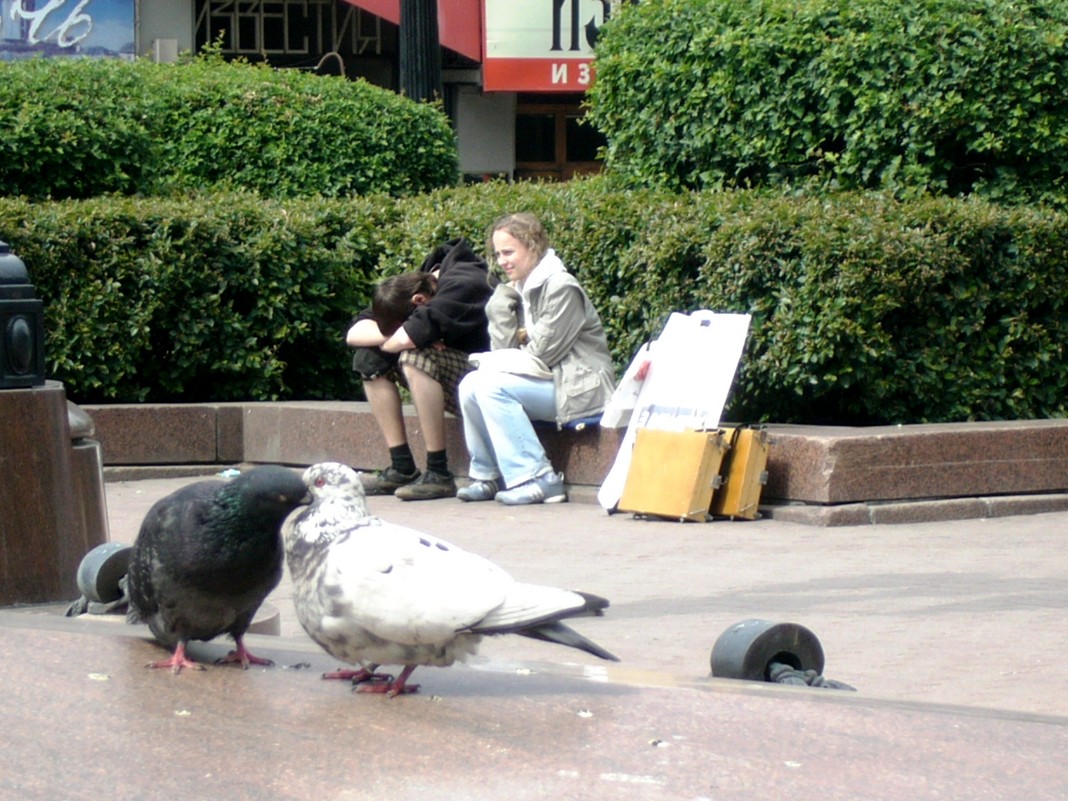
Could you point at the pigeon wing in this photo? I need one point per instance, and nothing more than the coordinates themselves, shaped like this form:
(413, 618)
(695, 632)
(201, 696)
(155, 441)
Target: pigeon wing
(161, 546)
(412, 588)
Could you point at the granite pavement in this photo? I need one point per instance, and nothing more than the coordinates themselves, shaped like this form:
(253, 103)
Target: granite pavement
(952, 633)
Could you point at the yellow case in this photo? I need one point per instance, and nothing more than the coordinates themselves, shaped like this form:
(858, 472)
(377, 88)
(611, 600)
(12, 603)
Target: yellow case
(673, 473)
(744, 473)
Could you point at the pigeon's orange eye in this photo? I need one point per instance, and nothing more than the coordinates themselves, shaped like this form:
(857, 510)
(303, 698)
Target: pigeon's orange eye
(320, 481)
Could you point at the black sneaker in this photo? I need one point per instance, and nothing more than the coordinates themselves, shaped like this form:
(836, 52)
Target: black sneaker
(427, 487)
(386, 482)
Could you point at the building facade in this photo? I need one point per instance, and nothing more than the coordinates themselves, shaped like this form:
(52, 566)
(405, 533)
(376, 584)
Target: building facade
(514, 71)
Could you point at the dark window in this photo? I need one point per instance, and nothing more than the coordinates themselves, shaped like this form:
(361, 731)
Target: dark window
(288, 27)
(298, 22)
(582, 140)
(535, 137)
(246, 34)
(274, 27)
(551, 143)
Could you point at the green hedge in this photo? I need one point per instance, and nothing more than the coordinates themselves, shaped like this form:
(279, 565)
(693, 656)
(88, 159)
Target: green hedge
(954, 97)
(78, 128)
(228, 297)
(866, 309)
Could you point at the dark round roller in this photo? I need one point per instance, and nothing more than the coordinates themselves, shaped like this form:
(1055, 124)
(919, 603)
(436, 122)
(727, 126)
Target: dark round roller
(747, 649)
(100, 571)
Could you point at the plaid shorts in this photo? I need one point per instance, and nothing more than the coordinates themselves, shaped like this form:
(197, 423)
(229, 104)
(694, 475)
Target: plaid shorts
(446, 367)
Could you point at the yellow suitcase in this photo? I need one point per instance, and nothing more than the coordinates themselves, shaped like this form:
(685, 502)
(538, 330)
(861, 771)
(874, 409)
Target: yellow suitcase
(744, 473)
(673, 474)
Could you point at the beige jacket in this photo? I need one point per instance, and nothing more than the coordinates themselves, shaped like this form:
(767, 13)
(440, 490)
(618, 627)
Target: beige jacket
(563, 330)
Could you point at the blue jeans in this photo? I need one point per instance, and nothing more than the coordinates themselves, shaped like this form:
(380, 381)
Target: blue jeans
(497, 410)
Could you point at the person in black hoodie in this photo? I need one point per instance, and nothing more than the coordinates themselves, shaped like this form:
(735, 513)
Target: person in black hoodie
(418, 333)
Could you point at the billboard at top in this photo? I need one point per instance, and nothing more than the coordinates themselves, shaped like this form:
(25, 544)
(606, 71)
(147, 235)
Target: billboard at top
(541, 45)
(103, 28)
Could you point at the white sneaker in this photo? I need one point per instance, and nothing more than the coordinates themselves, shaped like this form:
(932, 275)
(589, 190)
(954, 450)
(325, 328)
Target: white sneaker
(484, 489)
(546, 488)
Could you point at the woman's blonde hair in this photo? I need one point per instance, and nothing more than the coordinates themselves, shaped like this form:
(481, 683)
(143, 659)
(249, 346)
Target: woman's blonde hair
(526, 228)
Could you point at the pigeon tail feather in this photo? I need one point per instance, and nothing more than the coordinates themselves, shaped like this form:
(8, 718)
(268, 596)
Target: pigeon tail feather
(563, 634)
(529, 605)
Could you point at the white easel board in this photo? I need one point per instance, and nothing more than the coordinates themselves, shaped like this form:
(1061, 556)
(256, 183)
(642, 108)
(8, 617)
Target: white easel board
(691, 368)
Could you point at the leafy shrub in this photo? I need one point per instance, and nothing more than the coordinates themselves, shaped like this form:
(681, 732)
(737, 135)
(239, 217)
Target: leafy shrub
(235, 298)
(865, 308)
(908, 96)
(62, 136)
(74, 128)
(286, 133)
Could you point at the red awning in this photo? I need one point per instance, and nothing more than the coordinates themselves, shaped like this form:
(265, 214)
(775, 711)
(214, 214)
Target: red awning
(459, 22)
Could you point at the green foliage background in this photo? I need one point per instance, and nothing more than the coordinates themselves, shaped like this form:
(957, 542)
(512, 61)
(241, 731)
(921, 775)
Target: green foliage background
(227, 297)
(206, 231)
(866, 309)
(956, 97)
(79, 128)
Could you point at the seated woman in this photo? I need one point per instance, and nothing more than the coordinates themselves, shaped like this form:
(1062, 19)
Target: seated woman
(564, 368)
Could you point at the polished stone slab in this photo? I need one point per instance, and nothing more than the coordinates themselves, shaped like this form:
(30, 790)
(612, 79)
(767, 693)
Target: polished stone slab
(49, 514)
(833, 475)
(833, 465)
(83, 719)
(157, 433)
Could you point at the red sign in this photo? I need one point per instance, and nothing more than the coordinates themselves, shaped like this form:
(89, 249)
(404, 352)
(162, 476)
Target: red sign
(540, 45)
(537, 75)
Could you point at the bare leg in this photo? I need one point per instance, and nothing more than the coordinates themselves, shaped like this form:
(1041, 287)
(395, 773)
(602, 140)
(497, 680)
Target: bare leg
(385, 400)
(429, 399)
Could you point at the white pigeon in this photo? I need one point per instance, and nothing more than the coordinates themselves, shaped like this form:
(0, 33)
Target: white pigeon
(373, 593)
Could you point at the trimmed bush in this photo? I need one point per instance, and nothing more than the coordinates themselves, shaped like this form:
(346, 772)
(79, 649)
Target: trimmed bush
(62, 136)
(909, 96)
(286, 133)
(866, 309)
(77, 128)
(232, 298)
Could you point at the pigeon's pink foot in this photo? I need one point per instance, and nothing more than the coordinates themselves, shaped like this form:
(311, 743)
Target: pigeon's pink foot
(358, 676)
(345, 674)
(243, 656)
(391, 688)
(177, 661)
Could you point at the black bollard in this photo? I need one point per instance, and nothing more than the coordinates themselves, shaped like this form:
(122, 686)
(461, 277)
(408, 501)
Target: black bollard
(21, 325)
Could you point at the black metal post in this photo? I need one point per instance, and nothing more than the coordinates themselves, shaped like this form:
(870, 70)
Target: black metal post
(420, 51)
(21, 325)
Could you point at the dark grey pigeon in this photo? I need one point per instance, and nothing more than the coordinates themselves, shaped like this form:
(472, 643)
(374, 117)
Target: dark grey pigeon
(372, 593)
(206, 557)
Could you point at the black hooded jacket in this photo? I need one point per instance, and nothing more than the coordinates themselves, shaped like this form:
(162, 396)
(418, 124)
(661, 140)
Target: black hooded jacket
(456, 315)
